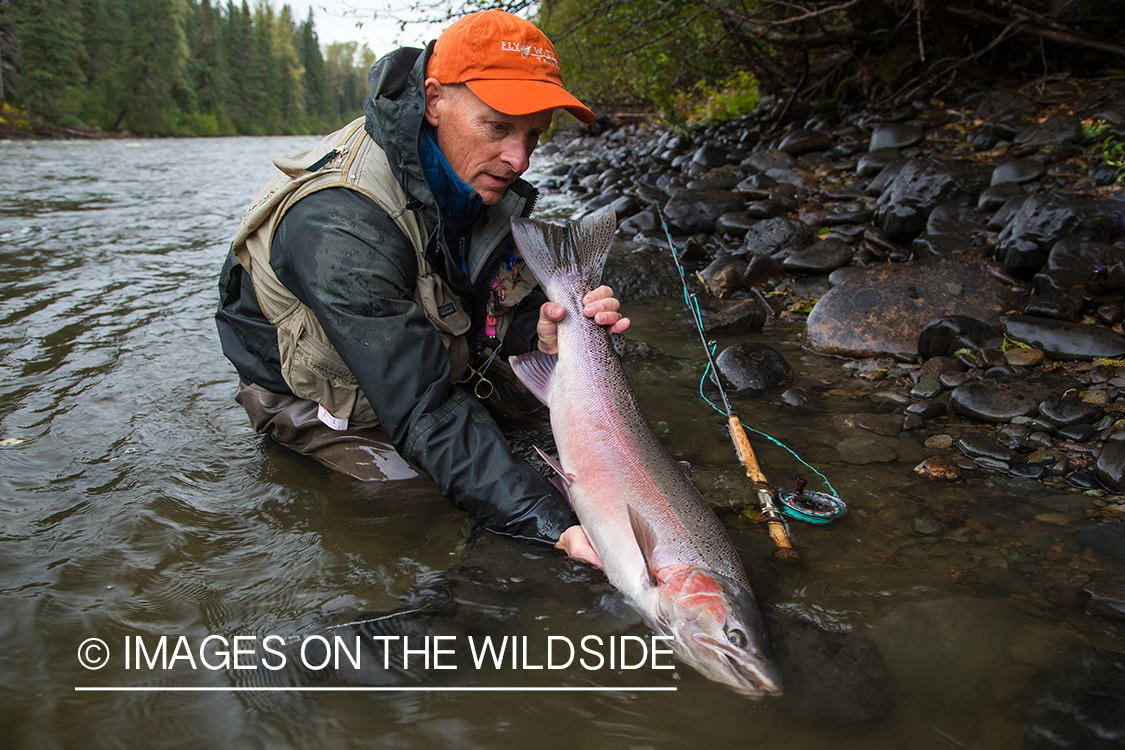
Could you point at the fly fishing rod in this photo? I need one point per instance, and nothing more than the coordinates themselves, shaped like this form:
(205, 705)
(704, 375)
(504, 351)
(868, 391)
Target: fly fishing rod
(774, 521)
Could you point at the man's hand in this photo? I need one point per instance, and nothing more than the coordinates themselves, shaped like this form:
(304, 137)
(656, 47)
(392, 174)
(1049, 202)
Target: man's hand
(576, 545)
(600, 305)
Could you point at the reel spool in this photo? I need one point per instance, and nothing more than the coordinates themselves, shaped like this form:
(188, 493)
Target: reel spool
(810, 507)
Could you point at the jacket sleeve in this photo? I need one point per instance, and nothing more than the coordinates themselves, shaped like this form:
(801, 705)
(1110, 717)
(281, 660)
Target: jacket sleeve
(344, 257)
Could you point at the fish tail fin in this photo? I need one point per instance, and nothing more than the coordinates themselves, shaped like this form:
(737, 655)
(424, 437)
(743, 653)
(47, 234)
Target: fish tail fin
(577, 248)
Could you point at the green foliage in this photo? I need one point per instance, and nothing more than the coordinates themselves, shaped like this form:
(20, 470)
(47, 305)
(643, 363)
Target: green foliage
(737, 96)
(182, 67)
(1111, 150)
(637, 53)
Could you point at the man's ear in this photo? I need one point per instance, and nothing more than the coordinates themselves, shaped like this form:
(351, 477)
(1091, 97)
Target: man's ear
(434, 91)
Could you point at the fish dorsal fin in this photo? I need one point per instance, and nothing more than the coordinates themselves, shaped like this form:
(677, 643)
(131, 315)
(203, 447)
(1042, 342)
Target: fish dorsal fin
(646, 540)
(536, 370)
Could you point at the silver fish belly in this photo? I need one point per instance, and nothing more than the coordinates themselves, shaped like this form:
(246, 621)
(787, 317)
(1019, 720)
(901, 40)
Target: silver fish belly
(660, 543)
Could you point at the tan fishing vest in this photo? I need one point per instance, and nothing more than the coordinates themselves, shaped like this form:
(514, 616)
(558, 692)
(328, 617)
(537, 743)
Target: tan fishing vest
(310, 364)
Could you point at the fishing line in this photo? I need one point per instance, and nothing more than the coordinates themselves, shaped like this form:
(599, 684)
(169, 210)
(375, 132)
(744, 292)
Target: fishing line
(691, 301)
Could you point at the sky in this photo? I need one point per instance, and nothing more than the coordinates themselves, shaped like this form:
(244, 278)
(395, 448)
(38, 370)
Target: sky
(336, 21)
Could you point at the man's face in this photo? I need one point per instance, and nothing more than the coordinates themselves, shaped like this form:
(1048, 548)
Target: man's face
(487, 149)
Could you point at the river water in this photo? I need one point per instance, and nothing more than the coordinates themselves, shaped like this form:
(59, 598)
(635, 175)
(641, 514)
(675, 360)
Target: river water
(137, 504)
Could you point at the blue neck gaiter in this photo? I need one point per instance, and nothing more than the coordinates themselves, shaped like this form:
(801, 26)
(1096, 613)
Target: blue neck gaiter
(457, 202)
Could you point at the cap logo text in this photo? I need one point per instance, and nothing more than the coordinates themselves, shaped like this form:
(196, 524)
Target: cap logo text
(541, 54)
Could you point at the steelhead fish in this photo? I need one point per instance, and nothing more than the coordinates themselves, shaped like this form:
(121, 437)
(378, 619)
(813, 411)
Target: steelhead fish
(660, 544)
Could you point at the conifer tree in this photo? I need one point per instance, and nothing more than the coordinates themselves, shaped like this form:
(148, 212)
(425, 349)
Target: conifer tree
(53, 54)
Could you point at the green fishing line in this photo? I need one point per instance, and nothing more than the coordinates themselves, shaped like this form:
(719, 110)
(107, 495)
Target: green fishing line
(692, 303)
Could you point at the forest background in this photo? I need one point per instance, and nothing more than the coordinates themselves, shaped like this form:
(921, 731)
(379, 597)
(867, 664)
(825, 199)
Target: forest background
(190, 68)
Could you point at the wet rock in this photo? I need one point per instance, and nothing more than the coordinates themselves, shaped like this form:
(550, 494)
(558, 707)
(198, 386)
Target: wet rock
(1001, 398)
(944, 336)
(874, 162)
(977, 445)
(642, 274)
(1110, 469)
(755, 369)
(1024, 357)
(881, 424)
(767, 209)
(761, 268)
(777, 237)
(862, 449)
(994, 197)
(764, 161)
(1029, 471)
(802, 141)
(1083, 256)
(1107, 540)
(1077, 433)
(1043, 220)
(954, 220)
(1003, 216)
(742, 317)
(1069, 411)
(723, 276)
(692, 211)
(831, 678)
(937, 244)
(757, 183)
(885, 179)
(1018, 171)
(820, 257)
(1084, 480)
(709, 156)
(896, 136)
(883, 310)
(735, 223)
(645, 221)
(1055, 131)
(1110, 314)
(1062, 340)
(938, 467)
(1107, 597)
(922, 186)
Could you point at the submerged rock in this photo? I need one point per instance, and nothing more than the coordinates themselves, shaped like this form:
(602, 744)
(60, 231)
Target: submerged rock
(833, 678)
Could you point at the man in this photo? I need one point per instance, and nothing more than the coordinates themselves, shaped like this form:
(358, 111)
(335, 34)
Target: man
(377, 270)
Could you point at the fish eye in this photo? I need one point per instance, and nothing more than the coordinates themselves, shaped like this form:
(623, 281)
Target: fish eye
(737, 638)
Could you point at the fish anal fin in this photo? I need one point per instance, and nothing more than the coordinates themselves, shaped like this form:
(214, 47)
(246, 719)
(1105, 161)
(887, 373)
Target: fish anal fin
(536, 370)
(646, 540)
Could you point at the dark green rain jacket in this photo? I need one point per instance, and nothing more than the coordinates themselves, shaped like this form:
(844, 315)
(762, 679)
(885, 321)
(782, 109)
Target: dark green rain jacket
(345, 258)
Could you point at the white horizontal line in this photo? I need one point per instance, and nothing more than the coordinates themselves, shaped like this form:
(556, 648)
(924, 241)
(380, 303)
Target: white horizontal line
(145, 689)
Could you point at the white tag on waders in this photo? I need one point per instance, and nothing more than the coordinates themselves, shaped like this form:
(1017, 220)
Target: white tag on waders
(325, 416)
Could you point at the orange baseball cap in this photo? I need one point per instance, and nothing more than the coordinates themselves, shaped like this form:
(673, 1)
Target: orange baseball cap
(507, 62)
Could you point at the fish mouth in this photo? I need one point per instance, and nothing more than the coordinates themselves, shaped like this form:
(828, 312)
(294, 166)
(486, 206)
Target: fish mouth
(754, 676)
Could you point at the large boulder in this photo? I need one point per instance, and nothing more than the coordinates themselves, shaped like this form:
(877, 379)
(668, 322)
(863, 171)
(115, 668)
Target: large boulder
(881, 310)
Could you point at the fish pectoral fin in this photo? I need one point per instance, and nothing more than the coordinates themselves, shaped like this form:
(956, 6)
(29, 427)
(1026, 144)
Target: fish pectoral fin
(564, 476)
(646, 540)
(536, 370)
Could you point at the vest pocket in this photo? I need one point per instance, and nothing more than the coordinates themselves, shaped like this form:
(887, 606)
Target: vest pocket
(314, 371)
